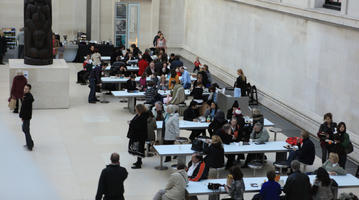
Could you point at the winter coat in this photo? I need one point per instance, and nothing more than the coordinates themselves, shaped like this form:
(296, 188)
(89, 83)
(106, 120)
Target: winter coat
(17, 88)
(172, 130)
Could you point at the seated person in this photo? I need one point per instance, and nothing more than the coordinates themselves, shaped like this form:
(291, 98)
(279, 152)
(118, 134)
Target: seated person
(230, 112)
(197, 93)
(131, 83)
(122, 72)
(143, 82)
(217, 123)
(259, 135)
(199, 80)
(270, 190)
(178, 95)
(185, 78)
(115, 67)
(257, 116)
(150, 94)
(211, 112)
(176, 186)
(332, 165)
(158, 111)
(174, 77)
(150, 69)
(154, 79)
(192, 114)
(129, 57)
(164, 70)
(197, 168)
(225, 133)
(212, 94)
(204, 74)
(297, 185)
(305, 152)
(215, 153)
(235, 185)
(162, 83)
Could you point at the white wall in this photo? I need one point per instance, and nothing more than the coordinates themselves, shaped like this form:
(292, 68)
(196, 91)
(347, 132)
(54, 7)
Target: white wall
(68, 16)
(309, 66)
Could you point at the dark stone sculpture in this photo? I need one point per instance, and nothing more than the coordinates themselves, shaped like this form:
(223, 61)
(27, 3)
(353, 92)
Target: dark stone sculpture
(38, 32)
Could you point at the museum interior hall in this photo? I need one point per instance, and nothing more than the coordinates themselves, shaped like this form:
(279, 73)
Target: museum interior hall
(179, 99)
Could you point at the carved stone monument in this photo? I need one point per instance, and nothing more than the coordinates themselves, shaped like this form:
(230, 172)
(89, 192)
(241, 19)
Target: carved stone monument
(38, 32)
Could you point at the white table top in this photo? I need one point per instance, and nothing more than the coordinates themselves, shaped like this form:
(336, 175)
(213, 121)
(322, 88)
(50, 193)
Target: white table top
(114, 79)
(124, 93)
(129, 68)
(183, 124)
(105, 58)
(233, 148)
(200, 125)
(200, 188)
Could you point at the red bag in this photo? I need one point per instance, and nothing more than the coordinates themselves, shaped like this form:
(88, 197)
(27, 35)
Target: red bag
(294, 140)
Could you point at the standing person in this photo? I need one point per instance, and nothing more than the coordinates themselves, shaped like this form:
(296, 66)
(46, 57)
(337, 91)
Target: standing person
(20, 42)
(156, 38)
(111, 180)
(137, 133)
(326, 132)
(161, 43)
(185, 78)
(176, 186)
(17, 88)
(172, 131)
(240, 84)
(324, 188)
(297, 186)
(270, 190)
(2, 46)
(95, 80)
(235, 185)
(26, 115)
(341, 143)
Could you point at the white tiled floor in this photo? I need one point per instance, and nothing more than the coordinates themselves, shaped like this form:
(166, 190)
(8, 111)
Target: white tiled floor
(72, 146)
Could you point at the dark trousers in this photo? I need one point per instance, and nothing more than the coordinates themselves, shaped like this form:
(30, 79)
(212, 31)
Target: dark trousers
(168, 142)
(92, 95)
(20, 51)
(26, 130)
(292, 156)
(17, 106)
(324, 154)
(187, 86)
(1, 56)
(342, 160)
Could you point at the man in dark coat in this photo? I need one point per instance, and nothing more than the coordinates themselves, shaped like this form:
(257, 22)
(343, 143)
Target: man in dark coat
(111, 180)
(305, 153)
(26, 115)
(95, 80)
(297, 186)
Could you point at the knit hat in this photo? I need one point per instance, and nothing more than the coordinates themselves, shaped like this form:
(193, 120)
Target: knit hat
(237, 112)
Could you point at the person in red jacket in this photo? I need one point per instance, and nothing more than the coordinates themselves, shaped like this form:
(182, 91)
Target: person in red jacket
(17, 89)
(142, 65)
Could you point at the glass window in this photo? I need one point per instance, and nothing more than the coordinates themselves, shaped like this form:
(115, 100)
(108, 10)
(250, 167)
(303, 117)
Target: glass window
(333, 4)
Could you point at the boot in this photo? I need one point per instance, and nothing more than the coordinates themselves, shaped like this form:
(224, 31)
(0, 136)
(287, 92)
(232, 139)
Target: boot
(137, 165)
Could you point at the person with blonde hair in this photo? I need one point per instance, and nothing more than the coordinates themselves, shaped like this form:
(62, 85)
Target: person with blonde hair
(215, 153)
(332, 166)
(240, 84)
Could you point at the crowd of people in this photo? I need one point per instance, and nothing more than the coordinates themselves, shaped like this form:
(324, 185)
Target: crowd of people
(158, 71)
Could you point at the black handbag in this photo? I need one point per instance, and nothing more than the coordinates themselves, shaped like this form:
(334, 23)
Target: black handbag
(214, 186)
(198, 145)
(349, 148)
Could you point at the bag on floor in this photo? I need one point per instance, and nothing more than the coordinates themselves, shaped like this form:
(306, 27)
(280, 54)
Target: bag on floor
(12, 104)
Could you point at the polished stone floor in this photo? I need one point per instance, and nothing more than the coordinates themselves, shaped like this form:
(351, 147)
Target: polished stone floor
(72, 146)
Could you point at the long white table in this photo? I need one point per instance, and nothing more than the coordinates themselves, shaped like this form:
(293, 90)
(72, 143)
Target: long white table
(131, 96)
(200, 188)
(183, 150)
(129, 68)
(114, 79)
(189, 125)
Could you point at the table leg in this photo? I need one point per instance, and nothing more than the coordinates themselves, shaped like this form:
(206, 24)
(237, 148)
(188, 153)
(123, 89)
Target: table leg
(104, 98)
(275, 136)
(131, 104)
(161, 167)
(213, 197)
(159, 136)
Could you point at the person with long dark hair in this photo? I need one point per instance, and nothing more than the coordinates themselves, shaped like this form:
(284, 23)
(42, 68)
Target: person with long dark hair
(325, 133)
(235, 185)
(341, 143)
(324, 188)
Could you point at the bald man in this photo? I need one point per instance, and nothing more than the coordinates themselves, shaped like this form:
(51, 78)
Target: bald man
(110, 185)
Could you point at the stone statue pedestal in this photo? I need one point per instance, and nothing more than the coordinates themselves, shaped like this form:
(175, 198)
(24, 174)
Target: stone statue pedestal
(50, 83)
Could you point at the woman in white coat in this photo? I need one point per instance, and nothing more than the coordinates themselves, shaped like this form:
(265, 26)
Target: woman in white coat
(171, 123)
